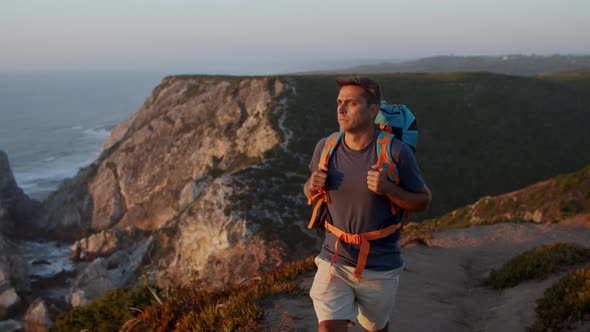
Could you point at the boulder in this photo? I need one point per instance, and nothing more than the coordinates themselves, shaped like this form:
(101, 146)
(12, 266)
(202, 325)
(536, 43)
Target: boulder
(14, 278)
(124, 266)
(37, 317)
(9, 300)
(91, 283)
(99, 244)
(13, 266)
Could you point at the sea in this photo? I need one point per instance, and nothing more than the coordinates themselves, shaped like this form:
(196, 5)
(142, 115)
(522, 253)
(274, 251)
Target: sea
(52, 124)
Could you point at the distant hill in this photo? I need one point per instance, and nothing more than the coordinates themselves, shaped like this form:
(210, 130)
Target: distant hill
(523, 65)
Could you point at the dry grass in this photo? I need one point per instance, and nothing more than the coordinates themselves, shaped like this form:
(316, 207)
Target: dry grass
(233, 309)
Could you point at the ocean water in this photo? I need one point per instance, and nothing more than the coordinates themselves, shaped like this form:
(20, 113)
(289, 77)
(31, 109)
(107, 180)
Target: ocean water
(52, 124)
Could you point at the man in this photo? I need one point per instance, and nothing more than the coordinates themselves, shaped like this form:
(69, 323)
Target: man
(360, 197)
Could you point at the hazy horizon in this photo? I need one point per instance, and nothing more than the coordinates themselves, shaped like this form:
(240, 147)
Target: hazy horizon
(269, 37)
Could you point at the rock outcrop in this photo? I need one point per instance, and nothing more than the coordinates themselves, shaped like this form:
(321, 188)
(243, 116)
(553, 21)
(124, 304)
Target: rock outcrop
(105, 243)
(37, 317)
(17, 210)
(14, 279)
(175, 169)
(92, 282)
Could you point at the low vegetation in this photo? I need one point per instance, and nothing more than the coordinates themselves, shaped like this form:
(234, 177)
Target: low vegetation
(108, 312)
(566, 304)
(236, 308)
(233, 309)
(537, 263)
(553, 200)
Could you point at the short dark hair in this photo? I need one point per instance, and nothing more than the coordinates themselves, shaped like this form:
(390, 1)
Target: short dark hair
(372, 90)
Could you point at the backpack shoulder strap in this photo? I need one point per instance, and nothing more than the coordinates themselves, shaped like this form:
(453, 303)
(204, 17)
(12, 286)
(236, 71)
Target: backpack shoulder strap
(384, 158)
(331, 143)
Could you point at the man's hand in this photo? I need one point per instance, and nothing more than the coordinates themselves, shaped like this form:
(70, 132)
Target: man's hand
(316, 182)
(378, 182)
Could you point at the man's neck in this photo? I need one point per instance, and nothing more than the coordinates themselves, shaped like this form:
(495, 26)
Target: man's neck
(359, 140)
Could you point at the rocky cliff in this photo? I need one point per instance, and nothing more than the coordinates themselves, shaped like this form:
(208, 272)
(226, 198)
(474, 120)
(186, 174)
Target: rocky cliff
(175, 170)
(16, 212)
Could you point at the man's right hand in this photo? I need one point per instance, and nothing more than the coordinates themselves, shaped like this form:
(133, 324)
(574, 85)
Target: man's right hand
(315, 183)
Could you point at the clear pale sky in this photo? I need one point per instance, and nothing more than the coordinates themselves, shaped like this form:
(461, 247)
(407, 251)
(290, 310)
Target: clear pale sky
(261, 37)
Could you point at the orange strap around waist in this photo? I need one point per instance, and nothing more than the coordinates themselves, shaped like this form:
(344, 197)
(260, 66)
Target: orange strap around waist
(361, 239)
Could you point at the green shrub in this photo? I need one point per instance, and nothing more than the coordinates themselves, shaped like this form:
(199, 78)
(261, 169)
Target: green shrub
(537, 263)
(565, 303)
(106, 313)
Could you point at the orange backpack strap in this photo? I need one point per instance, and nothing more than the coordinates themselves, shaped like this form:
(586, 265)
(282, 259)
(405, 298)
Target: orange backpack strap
(321, 196)
(359, 239)
(385, 161)
(331, 143)
(384, 158)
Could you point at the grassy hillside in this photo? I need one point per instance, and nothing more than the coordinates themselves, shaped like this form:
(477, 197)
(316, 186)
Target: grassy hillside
(480, 134)
(552, 200)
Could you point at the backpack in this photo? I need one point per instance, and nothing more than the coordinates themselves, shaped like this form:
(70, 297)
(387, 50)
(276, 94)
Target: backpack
(399, 120)
(393, 121)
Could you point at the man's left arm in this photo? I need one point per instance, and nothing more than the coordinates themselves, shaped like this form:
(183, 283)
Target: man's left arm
(407, 200)
(411, 194)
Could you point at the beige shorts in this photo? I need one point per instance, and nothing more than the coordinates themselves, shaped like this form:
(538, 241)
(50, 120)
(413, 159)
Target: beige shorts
(368, 301)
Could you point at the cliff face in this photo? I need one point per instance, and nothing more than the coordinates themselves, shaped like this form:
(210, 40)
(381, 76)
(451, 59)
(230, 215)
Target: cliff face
(176, 169)
(16, 214)
(17, 211)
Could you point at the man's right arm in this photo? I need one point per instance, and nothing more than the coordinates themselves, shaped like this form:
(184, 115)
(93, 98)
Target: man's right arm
(317, 180)
(315, 183)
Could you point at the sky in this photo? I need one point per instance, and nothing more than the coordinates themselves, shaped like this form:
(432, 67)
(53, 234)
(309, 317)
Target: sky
(266, 37)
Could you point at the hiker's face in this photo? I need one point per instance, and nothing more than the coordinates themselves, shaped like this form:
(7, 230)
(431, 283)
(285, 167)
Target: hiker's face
(354, 113)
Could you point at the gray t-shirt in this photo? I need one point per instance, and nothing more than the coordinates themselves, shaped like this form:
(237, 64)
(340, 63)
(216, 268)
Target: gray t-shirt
(355, 209)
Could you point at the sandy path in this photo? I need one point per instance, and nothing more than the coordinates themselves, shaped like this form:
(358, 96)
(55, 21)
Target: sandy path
(440, 286)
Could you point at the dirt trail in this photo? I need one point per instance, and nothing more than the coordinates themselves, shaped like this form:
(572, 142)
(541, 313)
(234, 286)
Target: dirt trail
(440, 287)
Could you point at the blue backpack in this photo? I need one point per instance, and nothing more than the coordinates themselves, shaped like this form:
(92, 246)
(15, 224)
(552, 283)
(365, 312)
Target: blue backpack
(400, 121)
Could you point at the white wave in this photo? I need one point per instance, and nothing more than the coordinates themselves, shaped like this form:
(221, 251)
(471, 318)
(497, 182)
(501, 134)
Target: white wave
(46, 177)
(102, 132)
(46, 259)
(77, 127)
